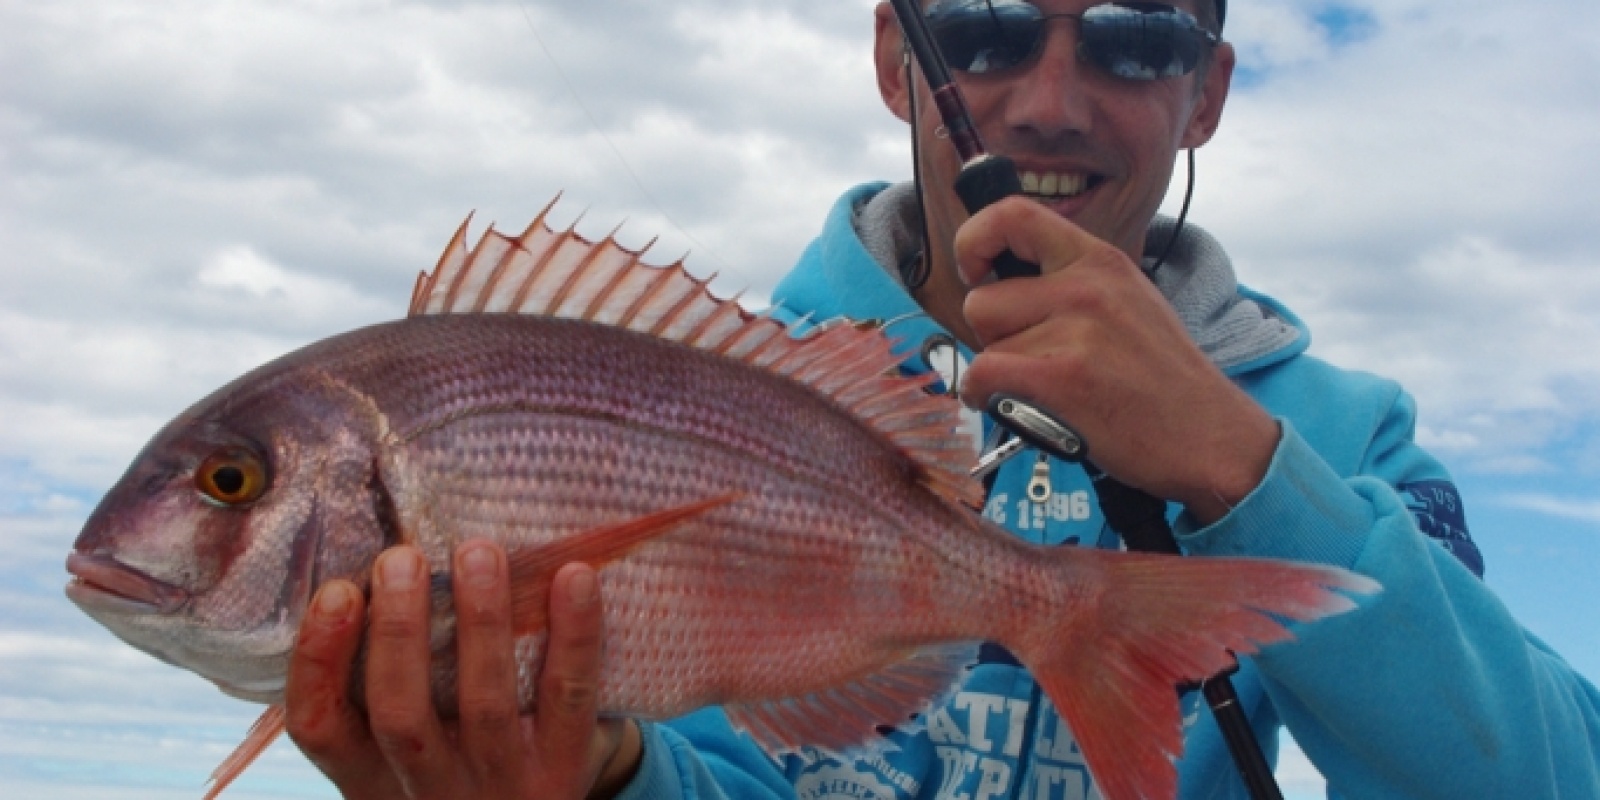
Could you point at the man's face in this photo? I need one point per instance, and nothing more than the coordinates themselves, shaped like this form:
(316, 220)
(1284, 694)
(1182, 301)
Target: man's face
(1095, 148)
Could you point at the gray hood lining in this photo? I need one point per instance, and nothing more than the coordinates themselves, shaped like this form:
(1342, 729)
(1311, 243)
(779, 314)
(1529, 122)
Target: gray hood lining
(1197, 279)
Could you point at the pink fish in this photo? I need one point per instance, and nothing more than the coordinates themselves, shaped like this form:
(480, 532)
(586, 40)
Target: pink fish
(784, 526)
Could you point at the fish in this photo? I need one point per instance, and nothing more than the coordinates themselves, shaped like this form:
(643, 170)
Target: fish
(783, 524)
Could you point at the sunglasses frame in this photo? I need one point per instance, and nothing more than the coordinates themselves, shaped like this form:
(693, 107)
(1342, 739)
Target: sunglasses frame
(1182, 31)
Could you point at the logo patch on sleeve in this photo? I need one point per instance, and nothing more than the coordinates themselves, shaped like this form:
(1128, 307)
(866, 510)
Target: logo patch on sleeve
(1436, 505)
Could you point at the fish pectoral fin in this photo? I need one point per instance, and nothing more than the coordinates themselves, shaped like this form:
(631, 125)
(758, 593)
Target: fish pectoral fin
(532, 569)
(261, 736)
(847, 718)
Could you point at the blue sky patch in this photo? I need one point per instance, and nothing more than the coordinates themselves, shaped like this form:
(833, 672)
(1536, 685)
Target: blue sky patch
(1338, 24)
(1344, 25)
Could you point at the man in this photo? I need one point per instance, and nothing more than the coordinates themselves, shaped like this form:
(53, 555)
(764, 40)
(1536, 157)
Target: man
(1186, 386)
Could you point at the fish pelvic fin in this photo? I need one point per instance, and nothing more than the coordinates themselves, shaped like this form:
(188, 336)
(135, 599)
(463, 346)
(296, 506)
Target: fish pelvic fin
(847, 719)
(544, 272)
(531, 570)
(1159, 622)
(262, 734)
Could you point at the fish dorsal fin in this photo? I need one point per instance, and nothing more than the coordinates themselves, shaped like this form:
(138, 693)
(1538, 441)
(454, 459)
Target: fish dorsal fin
(847, 718)
(562, 274)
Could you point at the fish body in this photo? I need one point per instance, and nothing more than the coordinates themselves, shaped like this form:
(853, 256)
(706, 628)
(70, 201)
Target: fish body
(781, 525)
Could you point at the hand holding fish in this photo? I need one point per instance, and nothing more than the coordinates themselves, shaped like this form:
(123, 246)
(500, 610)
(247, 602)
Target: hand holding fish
(1093, 341)
(398, 747)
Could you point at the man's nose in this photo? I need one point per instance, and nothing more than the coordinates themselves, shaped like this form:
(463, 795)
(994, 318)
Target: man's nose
(1050, 97)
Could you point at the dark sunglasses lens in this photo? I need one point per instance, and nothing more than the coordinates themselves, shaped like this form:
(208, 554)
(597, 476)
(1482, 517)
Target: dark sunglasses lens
(976, 36)
(1142, 42)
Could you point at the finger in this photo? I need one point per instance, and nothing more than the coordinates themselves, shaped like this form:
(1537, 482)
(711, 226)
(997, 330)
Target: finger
(486, 688)
(399, 689)
(1054, 386)
(568, 689)
(616, 751)
(1030, 231)
(321, 717)
(999, 311)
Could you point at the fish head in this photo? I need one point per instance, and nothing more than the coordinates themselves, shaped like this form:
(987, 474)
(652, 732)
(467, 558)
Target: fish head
(206, 552)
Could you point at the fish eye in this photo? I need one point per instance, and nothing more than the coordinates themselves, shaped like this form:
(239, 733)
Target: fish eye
(231, 477)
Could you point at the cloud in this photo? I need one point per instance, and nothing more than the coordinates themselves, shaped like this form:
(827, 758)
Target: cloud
(1580, 510)
(1395, 191)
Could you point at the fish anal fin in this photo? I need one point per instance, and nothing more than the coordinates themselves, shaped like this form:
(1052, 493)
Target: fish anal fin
(262, 734)
(532, 569)
(846, 718)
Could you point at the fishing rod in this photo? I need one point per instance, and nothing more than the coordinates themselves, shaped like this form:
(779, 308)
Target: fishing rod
(1140, 518)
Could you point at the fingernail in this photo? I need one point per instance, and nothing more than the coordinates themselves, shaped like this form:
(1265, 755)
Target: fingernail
(582, 589)
(398, 569)
(477, 564)
(335, 600)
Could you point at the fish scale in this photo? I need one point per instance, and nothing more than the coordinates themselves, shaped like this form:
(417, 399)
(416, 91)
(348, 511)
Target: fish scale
(685, 463)
(782, 525)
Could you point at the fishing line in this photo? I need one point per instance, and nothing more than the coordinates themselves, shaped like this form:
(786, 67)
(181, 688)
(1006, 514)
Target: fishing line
(522, 5)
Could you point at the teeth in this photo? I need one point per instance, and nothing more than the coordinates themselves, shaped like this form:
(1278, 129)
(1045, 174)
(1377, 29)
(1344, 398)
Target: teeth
(1054, 184)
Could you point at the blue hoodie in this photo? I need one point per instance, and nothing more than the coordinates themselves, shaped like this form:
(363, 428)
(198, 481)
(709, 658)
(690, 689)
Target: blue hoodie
(1431, 689)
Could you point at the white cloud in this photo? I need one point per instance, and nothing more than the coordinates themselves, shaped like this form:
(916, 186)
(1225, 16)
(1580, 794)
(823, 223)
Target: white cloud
(1417, 196)
(1581, 510)
(272, 291)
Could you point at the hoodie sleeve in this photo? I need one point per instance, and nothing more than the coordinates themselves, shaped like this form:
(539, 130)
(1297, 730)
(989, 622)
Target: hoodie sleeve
(700, 757)
(1431, 689)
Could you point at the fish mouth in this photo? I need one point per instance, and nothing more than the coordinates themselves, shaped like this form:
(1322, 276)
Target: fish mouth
(102, 583)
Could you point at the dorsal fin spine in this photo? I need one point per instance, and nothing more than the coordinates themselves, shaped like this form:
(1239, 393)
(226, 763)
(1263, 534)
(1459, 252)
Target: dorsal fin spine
(842, 360)
(869, 363)
(536, 269)
(516, 248)
(486, 291)
(578, 271)
(726, 308)
(671, 315)
(418, 295)
(643, 301)
(455, 250)
(544, 214)
(825, 347)
(467, 269)
(781, 364)
(601, 297)
(753, 355)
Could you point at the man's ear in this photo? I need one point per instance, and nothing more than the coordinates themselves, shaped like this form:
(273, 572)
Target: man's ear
(1207, 113)
(889, 54)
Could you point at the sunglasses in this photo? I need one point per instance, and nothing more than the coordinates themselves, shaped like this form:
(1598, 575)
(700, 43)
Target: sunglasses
(1134, 41)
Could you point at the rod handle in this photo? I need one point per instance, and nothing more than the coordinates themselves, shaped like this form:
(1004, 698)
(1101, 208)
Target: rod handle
(984, 181)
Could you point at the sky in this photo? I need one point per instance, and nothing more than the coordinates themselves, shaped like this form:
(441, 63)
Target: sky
(189, 188)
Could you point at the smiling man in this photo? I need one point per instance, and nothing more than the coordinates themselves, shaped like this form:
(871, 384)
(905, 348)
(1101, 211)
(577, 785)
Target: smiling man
(1186, 385)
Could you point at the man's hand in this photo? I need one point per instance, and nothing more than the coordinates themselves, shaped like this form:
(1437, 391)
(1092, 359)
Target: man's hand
(1094, 342)
(398, 746)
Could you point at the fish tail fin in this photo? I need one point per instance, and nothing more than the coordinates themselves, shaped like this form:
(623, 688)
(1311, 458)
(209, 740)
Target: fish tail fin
(261, 736)
(1159, 622)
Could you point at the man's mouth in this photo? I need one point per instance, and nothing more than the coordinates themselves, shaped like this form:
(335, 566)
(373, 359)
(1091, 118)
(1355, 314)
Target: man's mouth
(1051, 186)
